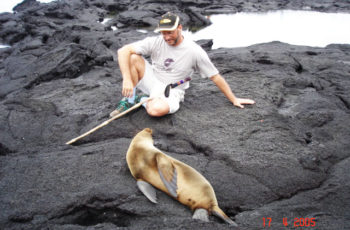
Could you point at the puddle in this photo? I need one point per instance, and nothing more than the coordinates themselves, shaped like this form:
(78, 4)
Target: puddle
(294, 27)
(142, 31)
(4, 46)
(104, 22)
(7, 5)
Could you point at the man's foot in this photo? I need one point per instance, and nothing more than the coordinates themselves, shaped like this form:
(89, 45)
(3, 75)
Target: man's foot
(139, 97)
(122, 106)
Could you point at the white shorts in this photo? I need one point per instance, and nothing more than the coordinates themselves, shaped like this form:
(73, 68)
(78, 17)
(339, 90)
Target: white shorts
(150, 85)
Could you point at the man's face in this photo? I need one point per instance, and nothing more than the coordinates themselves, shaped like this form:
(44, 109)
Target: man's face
(172, 37)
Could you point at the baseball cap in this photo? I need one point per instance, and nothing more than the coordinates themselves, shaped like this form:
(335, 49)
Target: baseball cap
(168, 22)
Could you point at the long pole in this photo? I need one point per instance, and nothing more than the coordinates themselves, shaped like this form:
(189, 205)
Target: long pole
(167, 89)
(107, 122)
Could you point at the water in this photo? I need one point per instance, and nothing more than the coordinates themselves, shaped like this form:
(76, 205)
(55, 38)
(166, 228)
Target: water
(4, 46)
(244, 29)
(7, 5)
(104, 22)
(294, 27)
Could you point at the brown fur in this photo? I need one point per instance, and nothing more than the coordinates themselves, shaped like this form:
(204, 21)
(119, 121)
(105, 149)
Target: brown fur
(193, 190)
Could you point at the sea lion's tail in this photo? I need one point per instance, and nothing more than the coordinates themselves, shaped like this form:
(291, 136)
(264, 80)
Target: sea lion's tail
(219, 213)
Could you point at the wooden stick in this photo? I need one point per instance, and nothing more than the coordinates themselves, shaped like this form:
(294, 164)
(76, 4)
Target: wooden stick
(107, 122)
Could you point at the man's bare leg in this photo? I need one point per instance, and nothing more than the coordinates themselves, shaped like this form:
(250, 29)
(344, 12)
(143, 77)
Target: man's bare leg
(137, 68)
(155, 107)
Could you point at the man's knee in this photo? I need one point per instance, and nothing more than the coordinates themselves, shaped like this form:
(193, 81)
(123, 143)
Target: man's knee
(157, 107)
(136, 59)
(137, 67)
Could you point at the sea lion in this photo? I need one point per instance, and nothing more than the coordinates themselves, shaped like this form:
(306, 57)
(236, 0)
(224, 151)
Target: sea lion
(152, 168)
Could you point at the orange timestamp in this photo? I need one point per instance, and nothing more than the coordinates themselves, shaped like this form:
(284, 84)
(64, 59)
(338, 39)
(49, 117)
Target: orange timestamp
(296, 222)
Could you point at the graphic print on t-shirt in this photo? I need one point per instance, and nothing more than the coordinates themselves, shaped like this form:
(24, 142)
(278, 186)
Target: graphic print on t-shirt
(167, 64)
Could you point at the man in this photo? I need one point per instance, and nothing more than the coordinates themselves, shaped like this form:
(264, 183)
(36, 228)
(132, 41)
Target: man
(174, 58)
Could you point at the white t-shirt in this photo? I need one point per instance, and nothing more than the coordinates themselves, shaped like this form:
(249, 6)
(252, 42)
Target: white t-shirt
(174, 63)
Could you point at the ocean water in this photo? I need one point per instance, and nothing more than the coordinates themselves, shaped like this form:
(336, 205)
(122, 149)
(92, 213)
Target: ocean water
(4, 46)
(308, 28)
(7, 5)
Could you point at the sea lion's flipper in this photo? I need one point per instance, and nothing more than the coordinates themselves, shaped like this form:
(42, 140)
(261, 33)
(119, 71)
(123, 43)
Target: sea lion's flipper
(201, 214)
(219, 213)
(147, 190)
(167, 173)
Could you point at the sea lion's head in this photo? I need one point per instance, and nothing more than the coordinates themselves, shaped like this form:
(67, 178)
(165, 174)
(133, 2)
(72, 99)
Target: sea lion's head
(147, 130)
(145, 133)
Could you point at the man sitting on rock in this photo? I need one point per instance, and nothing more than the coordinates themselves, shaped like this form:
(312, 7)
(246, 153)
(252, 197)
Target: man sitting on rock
(174, 58)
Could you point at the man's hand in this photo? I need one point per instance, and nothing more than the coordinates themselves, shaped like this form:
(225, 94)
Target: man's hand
(225, 88)
(239, 102)
(124, 55)
(128, 88)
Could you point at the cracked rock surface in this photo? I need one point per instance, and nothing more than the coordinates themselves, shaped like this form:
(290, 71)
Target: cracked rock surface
(285, 157)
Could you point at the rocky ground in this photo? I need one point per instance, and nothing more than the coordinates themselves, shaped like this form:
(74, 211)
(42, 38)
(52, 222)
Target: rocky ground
(285, 157)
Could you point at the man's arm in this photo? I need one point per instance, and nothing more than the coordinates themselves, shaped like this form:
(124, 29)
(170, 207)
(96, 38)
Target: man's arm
(124, 55)
(225, 88)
